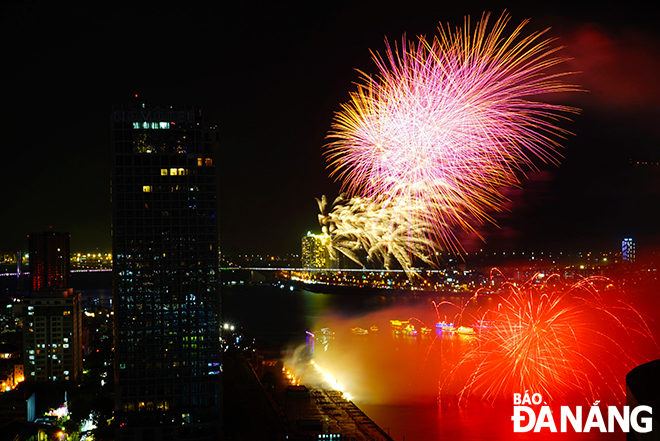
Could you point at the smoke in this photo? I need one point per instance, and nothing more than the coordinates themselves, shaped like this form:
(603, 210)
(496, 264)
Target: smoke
(373, 364)
(380, 367)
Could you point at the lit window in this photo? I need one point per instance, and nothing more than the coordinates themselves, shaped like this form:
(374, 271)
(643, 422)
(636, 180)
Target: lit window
(200, 162)
(136, 125)
(181, 172)
(172, 172)
(208, 161)
(146, 188)
(163, 172)
(164, 125)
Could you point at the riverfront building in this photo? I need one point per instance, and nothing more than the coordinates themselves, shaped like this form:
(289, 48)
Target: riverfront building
(628, 250)
(315, 251)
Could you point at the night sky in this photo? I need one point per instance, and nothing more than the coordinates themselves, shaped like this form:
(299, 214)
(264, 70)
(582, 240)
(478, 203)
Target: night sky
(271, 75)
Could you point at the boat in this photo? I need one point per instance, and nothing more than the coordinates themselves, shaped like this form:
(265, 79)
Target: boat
(465, 330)
(359, 331)
(410, 331)
(445, 327)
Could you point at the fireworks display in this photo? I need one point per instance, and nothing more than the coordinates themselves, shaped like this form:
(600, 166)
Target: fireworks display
(446, 124)
(367, 231)
(424, 149)
(553, 340)
(567, 342)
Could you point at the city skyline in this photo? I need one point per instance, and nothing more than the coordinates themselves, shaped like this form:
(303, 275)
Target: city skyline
(273, 97)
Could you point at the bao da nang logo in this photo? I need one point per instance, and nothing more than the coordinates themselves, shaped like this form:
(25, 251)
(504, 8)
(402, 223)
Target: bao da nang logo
(527, 419)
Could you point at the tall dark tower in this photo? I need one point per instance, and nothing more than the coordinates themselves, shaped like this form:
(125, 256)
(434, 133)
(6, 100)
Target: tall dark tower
(49, 260)
(166, 278)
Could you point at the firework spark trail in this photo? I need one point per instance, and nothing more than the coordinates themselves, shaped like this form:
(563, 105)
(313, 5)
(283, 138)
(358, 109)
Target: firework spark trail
(448, 123)
(553, 340)
(363, 229)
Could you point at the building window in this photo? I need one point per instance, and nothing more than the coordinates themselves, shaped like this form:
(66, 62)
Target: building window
(146, 188)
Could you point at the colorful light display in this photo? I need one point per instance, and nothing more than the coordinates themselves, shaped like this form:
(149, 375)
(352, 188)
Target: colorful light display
(447, 123)
(553, 340)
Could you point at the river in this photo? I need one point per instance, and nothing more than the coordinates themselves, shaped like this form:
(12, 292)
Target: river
(395, 379)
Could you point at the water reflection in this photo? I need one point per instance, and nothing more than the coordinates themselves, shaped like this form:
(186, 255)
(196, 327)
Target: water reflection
(395, 378)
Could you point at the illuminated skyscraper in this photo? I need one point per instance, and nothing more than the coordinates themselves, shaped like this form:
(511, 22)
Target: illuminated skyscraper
(315, 251)
(49, 260)
(166, 276)
(628, 250)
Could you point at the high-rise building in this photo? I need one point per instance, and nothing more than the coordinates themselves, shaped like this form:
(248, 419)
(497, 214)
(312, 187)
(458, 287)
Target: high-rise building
(628, 250)
(166, 279)
(52, 323)
(49, 260)
(52, 330)
(315, 251)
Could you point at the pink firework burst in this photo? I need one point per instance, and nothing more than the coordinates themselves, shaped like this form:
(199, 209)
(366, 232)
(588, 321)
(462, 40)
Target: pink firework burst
(447, 123)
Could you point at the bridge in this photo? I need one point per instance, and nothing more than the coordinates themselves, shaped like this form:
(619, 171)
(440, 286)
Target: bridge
(337, 270)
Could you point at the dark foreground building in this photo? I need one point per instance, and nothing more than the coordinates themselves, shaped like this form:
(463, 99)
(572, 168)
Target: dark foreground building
(166, 279)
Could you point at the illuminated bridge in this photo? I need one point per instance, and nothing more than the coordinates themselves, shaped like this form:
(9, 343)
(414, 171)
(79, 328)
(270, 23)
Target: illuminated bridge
(91, 270)
(326, 270)
(250, 268)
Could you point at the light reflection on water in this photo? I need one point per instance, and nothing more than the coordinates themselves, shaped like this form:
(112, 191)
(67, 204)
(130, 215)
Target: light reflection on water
(394, 379)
